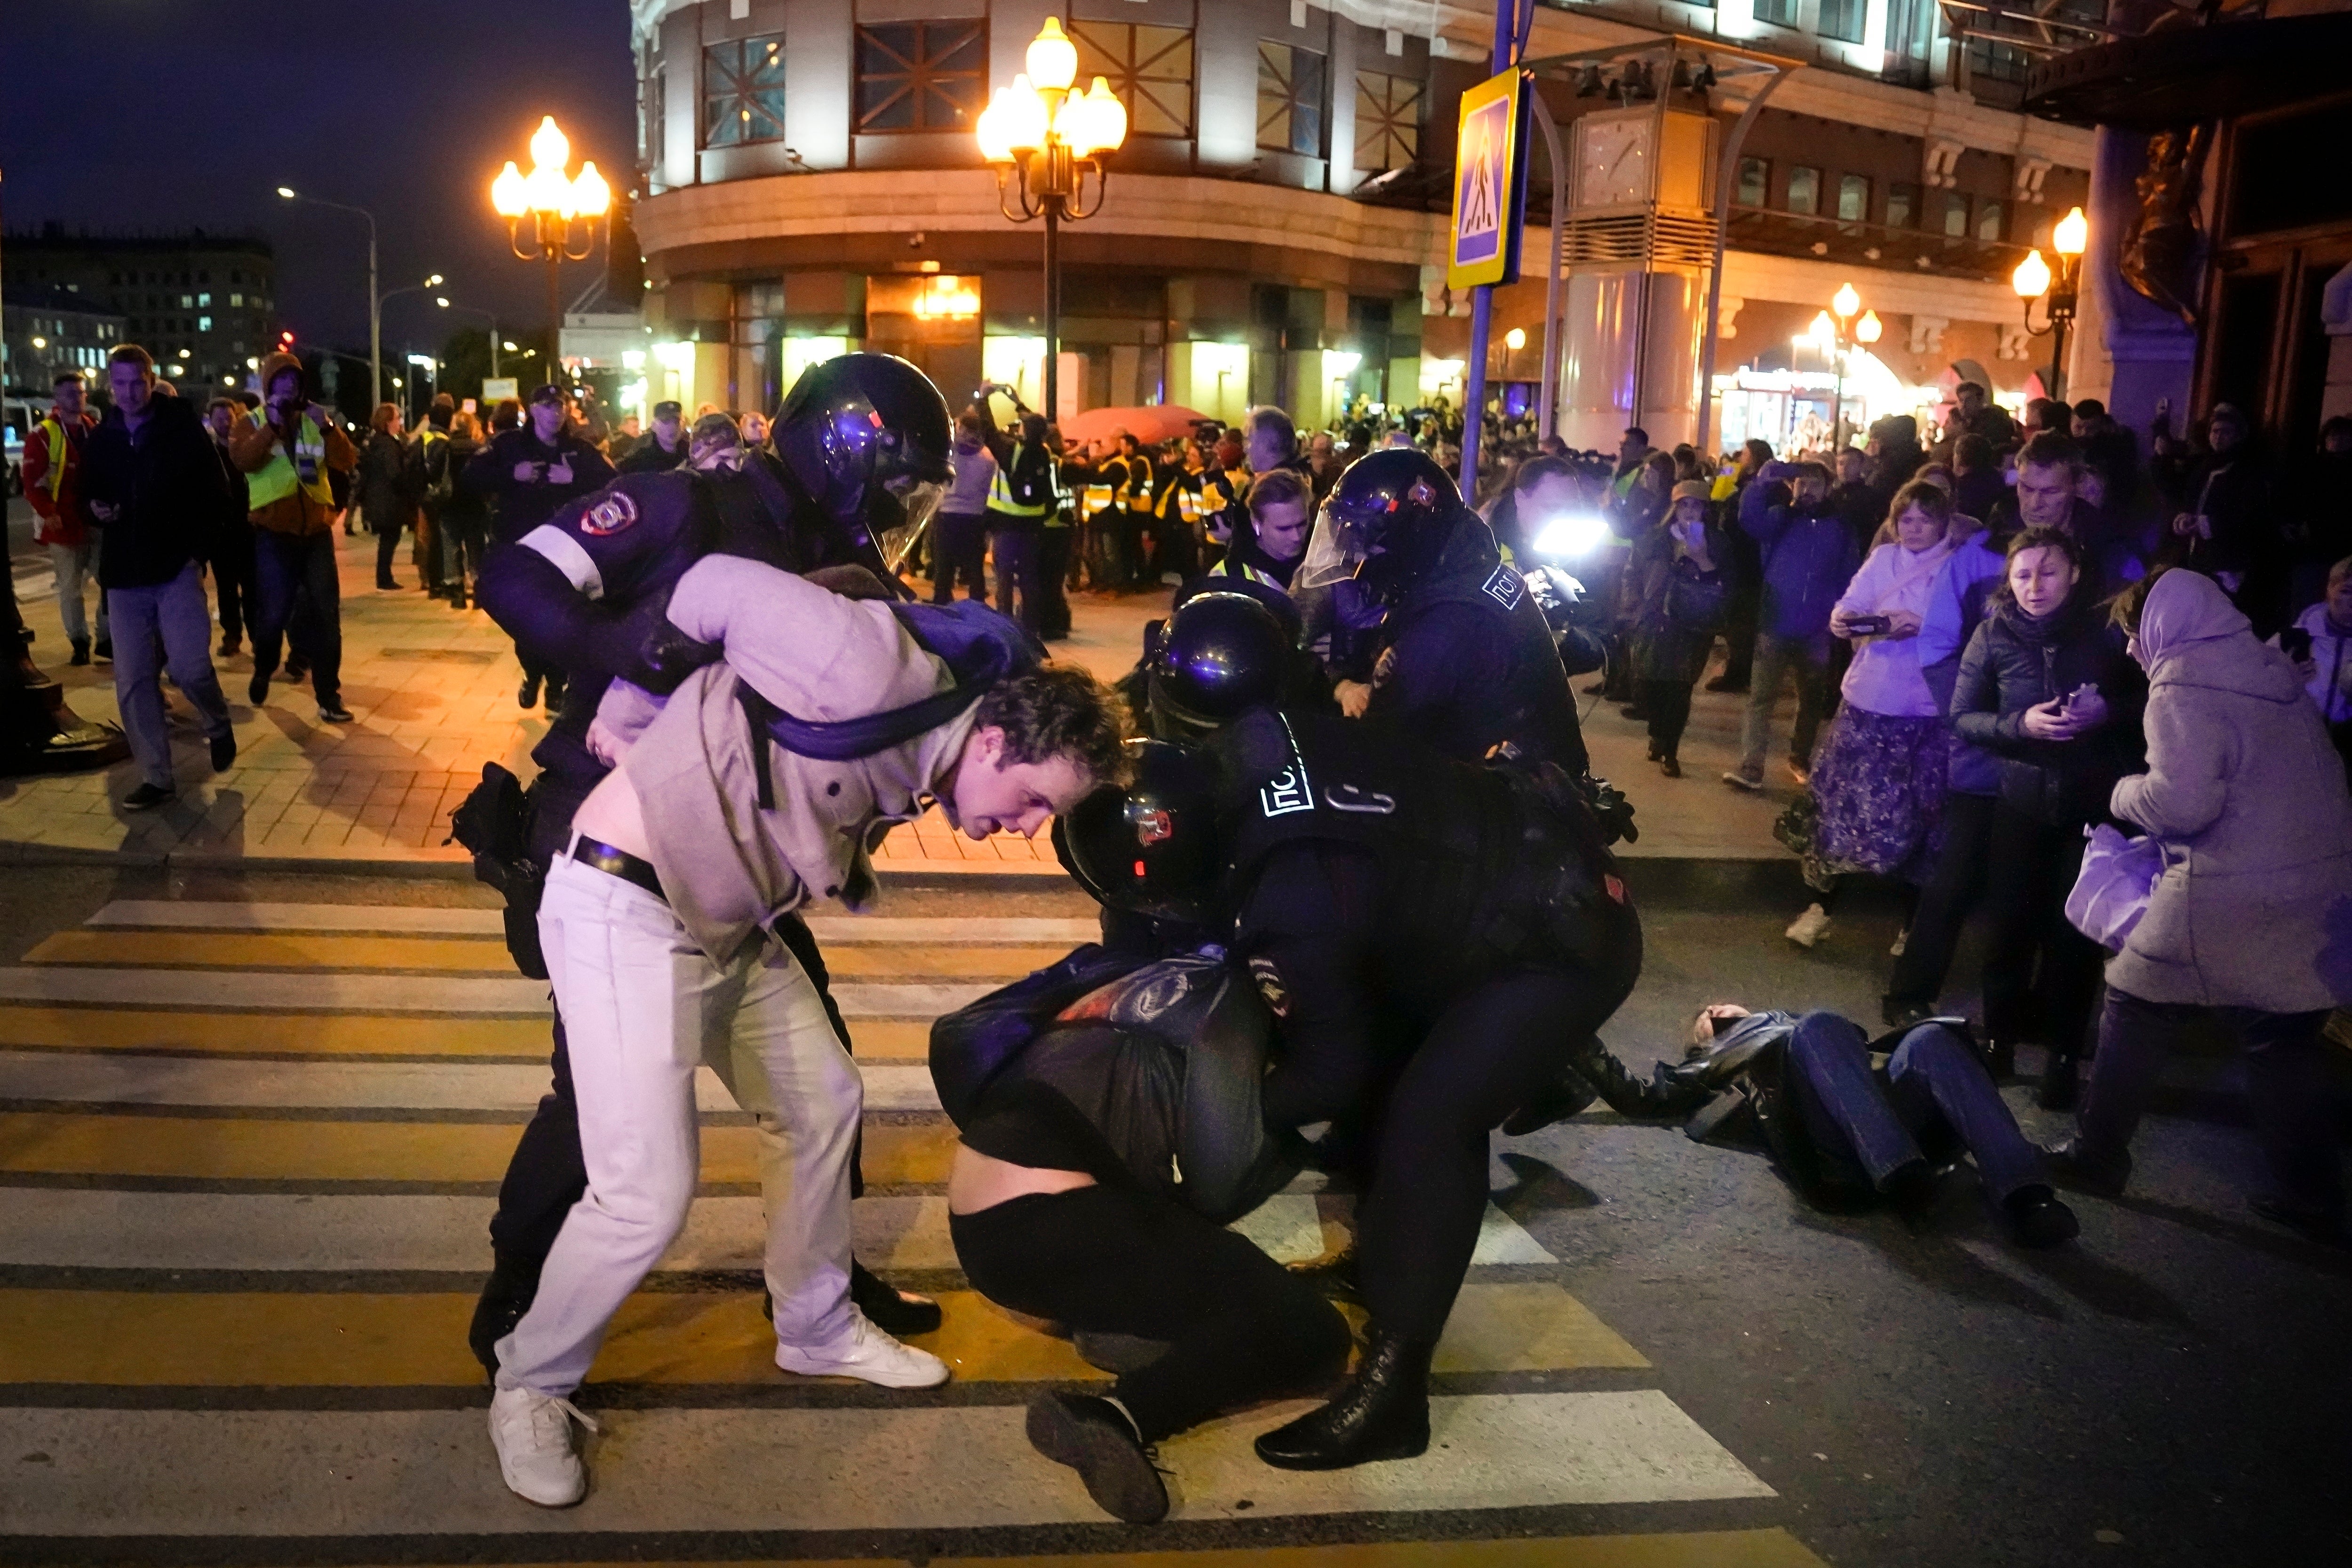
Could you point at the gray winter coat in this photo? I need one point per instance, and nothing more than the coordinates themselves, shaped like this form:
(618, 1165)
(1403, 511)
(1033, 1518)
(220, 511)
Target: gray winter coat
(2255, 908)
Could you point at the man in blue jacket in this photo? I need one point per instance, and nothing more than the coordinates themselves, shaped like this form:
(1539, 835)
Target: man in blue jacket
(1809, 555)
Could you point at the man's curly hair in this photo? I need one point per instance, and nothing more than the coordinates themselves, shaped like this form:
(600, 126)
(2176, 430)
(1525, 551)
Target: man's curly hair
(1059, 710)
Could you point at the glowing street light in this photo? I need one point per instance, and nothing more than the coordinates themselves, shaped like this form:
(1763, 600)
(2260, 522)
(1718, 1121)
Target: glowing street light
(1043, 137)
(557, 204)
(2058, 292)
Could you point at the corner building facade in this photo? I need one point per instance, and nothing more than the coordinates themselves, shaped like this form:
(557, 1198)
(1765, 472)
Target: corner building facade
(1274, 227)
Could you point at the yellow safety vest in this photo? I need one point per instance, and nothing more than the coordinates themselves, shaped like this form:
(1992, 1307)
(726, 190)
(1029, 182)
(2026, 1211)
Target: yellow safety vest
(55, 435)
(1000, 491)
(306, 469)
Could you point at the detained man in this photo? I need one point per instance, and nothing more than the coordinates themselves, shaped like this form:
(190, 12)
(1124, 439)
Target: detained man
(655, 924)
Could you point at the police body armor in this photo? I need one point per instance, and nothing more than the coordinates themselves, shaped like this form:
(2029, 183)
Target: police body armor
(1489, 867)
(1163, 1062)
(1532, 708)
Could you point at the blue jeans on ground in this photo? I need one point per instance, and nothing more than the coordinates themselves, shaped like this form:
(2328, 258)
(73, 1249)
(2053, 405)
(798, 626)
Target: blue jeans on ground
(172, 619)
(283, 566)
(1936, 1095)
(2286, 1077)
(78, 564)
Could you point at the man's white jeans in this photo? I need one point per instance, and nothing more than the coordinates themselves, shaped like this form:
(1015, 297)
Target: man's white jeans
(643, 1007)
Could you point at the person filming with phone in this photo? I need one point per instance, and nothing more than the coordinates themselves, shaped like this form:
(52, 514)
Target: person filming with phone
(2045, 686)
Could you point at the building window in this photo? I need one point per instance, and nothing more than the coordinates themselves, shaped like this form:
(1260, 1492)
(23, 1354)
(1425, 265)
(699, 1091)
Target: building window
(1150, 69)
(921, 75)
(1289, 99)
(743, 91)
(1902, 206)
(1956, 215)
(1988, 220)
(1755, 181)
(1853, 198)
(1804, 190)
(1388, 120)
(1780, 13)
(1842, 20)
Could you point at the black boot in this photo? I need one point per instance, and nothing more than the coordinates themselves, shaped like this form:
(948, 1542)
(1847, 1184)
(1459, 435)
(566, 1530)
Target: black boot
(1382, 1414)
(2057, 1088)
(895, 1311)
(506, 1296)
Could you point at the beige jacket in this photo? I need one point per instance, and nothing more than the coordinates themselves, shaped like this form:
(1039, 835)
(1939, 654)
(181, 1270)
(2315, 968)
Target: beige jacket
(729, 867)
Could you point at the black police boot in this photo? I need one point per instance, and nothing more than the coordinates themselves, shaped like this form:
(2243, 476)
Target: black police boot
(506, 1296)
(895, 1311)
(1382, 1414)
(1334, 1276)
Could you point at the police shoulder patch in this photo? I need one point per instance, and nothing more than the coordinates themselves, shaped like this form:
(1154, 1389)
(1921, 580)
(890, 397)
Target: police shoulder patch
(1505, 587)
(609, 513)
(1270, 986)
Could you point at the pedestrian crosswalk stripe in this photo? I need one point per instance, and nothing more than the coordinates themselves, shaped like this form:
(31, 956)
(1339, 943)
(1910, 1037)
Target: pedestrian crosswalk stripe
(77, 1078)
(354, 1035)
(416, 1339)
(269, 990)
(928, 1467)
(200, 1151)
(195, 915)
(455, 955)
(245, 1233)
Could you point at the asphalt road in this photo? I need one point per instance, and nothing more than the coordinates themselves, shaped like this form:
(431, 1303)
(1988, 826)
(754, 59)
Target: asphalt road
(2170, 1389)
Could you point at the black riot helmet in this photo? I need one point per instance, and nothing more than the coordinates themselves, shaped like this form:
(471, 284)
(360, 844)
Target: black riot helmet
(1385, 524)
(1220, 655)
(1150, 847)
(863, 424)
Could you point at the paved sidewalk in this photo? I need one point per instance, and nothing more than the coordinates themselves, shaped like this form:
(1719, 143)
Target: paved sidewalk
(433, 690)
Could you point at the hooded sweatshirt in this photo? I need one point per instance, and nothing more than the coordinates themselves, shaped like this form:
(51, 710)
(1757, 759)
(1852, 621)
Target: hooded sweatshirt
(2249, 798)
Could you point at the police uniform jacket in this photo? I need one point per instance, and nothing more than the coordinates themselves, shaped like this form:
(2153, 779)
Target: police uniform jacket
(728, 865)
(1471, 664)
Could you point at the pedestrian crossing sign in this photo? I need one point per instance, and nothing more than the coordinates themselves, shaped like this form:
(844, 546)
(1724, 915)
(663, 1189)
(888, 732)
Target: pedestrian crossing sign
(1490, 183)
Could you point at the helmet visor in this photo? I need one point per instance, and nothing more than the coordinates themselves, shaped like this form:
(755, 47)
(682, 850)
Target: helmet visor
(1335, 553)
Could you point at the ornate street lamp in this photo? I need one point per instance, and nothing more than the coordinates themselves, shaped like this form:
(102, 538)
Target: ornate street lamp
(557, 204)
(1844, 327)
(1044, 138)
(2058, 293)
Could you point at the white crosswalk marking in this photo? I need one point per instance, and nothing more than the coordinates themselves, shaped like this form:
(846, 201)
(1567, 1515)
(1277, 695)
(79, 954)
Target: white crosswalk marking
(382, 1277)
(336, 1473)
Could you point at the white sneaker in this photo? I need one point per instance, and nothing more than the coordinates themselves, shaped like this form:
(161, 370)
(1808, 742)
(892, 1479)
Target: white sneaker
(532, 1433)
(1808, 927)
(866, 1352)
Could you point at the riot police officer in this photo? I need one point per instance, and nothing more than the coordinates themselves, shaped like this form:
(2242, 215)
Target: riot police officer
(1453, 644)
(585, 590)
(1437, 940)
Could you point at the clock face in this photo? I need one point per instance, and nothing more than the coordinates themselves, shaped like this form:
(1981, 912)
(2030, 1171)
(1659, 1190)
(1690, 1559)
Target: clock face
(1612, 164)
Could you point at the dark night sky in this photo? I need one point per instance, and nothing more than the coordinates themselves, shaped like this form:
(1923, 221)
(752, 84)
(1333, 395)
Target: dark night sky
(154, 114)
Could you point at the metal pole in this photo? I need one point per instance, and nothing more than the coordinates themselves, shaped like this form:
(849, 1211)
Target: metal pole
(1725, 167)
(1482, 298)
(1053, 308)
(1546, 387)
(554, 309)
(375, 319)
